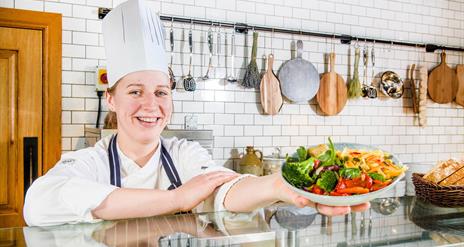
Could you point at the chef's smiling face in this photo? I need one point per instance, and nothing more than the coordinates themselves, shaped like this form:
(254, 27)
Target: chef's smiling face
(142, 101)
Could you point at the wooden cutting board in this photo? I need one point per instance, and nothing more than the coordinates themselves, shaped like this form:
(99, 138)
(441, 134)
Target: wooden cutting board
(460, 80)
(332, 94)
(271, 96)
(442, 84)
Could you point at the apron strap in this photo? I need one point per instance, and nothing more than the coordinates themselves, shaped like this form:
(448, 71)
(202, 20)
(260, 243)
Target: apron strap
(115, 171)
(170, 169)
(166, 161)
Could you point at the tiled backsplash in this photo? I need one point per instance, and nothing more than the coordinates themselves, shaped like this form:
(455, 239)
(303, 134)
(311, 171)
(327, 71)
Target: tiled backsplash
(234, 113)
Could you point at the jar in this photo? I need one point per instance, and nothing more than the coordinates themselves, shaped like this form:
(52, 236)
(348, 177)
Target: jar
(272, 164)
(251, 163)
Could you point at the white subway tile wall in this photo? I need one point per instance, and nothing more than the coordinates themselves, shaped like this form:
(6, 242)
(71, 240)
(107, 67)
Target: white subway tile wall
(235, 114)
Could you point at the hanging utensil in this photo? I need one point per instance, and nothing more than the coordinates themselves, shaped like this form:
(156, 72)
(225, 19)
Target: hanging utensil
(414, 88)
(442, 85)
(365, 54)
(251, 78)
(299, 78)
(210, 48)
(219, 71)
(372, 89)
(367, 90)
(391, 85)
(422, 95)
(189, 81)
(460, 80)
(354, 87)
(231, 77)
(271, 96)
(420, 79)
(171, 41)
(332, 94)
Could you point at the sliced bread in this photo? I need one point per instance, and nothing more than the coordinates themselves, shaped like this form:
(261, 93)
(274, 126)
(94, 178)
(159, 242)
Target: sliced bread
(453, 178)
(443, 170)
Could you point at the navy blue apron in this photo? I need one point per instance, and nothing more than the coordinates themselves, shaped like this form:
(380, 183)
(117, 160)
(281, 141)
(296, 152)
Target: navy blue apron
(166, 161)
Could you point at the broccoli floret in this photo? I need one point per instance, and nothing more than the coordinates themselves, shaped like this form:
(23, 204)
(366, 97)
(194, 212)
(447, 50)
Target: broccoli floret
(350, 173)
(297, 173)
(327, 181)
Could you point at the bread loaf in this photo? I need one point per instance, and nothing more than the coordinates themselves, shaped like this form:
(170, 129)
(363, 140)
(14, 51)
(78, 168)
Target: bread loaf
(460, 182)
(453, 178)
(443, 170)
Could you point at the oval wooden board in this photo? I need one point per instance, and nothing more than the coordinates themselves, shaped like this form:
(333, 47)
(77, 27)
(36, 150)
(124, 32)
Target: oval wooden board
(442, 84)
(332, 94)
(271, 96)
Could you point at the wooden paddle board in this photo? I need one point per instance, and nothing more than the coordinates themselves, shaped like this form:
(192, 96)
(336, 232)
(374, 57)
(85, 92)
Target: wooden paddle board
(460, 80)
(332, 94)
(271, 96)
(442, 84)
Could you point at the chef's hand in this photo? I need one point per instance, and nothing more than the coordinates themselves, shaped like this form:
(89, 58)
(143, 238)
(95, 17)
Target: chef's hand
(197, 189)
(287, 195)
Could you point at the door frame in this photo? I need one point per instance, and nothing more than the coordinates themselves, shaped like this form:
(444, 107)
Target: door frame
(50, 25)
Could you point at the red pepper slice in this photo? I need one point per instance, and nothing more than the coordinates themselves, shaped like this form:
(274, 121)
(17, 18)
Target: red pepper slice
(316, 164)
(335, 193)
(380, 186)
(354, 190)
(317, 190)
(368, 182)
(341, 184)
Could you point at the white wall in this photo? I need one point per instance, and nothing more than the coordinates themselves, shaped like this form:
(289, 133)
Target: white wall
(234, 113)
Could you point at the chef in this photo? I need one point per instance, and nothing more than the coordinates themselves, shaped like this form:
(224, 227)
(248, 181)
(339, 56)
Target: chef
(136, 172)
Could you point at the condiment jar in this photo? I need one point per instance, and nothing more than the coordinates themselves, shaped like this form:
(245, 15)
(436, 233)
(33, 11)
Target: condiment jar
(251, 163)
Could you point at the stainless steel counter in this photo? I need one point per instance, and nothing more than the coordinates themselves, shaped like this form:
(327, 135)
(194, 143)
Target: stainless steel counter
(390, 222)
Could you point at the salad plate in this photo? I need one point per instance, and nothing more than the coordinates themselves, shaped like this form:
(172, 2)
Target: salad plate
(362, 173)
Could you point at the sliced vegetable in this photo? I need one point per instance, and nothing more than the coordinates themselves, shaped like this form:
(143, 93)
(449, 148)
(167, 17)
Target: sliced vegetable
(328, 181)
(328, 157)
(354, 190)
(317, 190)
(377, 176)
(302, 154)
(335, 193)
(350, 173)
(378, 186)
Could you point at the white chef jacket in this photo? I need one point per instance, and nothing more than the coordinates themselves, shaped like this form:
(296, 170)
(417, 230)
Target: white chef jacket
(80, 181)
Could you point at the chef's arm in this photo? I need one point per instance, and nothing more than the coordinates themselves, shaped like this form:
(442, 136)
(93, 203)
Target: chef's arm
(251, 193)
(134, 203)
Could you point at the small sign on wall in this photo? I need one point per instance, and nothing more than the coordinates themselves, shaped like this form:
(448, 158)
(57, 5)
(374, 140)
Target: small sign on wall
(101, 82)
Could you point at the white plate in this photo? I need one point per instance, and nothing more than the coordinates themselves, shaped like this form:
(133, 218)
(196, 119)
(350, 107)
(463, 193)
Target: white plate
(348, 200)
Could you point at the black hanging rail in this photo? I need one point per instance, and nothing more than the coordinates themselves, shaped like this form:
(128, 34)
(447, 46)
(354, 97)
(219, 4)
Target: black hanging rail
(344, 39)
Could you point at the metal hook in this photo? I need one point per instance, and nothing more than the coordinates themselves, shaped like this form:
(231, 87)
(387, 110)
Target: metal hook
(333, 43)
(272, 41)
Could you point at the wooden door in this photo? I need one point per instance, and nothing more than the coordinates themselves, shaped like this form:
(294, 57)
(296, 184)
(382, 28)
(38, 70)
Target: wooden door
(21, 121)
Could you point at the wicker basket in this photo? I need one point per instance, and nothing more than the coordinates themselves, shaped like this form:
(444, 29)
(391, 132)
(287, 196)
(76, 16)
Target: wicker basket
(443, 196)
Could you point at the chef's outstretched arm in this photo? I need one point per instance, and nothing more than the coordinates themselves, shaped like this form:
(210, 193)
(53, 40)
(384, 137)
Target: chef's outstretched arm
(133, 203)
(251, 193)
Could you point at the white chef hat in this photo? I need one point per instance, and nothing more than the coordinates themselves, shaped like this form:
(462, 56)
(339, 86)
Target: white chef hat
(134, 40)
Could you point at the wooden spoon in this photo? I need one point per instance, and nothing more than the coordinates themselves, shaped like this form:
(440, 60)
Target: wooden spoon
(271, 96)
(442, 84)
(332, 94)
